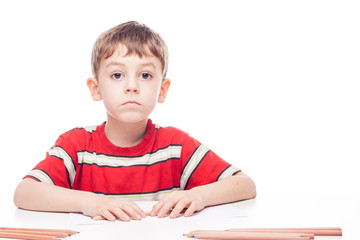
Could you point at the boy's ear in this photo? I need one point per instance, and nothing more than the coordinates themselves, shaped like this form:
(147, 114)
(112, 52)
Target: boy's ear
(93, 86)
(163, 90)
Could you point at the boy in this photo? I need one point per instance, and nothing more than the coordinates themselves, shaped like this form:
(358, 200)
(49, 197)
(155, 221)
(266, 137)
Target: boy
(99, 170)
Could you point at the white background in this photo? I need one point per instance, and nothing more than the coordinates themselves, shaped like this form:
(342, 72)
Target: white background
(271, 86)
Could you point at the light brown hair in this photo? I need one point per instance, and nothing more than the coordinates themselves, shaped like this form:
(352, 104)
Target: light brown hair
(136, 37)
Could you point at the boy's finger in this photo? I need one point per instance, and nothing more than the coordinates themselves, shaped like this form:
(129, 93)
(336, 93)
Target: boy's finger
(156, 208)
(190, 211)
(134, 213)
(139, 210)
(120, 214)
(177, 209)
(166, 208)
(108, 215)
(98, 218)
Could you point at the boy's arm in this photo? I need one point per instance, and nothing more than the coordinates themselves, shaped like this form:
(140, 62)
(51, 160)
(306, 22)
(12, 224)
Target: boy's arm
(33, 195)
(231, 189)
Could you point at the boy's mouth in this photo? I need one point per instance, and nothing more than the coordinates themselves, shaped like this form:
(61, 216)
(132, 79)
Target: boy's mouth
(131, 103)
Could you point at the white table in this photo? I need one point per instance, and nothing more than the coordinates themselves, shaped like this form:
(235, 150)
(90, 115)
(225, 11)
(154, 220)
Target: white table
(293, 212)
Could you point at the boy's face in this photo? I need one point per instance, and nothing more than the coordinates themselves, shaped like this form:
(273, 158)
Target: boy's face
(130, 86)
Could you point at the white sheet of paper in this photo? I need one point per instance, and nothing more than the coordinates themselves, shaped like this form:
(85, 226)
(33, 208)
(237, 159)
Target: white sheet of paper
(218, 212)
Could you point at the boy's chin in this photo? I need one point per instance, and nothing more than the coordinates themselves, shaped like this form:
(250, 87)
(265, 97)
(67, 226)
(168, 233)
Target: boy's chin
(131, 119)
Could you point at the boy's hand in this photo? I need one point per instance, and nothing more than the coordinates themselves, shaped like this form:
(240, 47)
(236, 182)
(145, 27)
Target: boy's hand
(177, 201)
(112, 209)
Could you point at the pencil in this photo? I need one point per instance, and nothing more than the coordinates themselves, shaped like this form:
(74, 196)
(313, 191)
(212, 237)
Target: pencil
(308, 228)
(54, 234)
(69, 232)
(236, 236)
(27, 236)
(251, 234)
(316, 231)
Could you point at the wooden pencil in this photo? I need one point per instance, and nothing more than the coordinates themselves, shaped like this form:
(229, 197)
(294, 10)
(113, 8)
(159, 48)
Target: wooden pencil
(54, 234)
(251, 234)
(68, 231)
(27, 236)
(307, 228)
(236, 236)
(315, 231)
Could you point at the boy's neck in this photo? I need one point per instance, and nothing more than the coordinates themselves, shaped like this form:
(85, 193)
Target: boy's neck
(125, 134)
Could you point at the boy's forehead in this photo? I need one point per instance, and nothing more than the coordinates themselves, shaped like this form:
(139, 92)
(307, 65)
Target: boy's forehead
(121, 52)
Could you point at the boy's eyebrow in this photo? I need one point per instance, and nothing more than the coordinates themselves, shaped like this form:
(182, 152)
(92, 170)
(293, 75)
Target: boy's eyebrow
(113, 63)
(151, 64)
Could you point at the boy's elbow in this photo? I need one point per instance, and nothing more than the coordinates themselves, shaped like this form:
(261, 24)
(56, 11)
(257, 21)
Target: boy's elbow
(17, 197)
(247, 185)
(18, 201)
(253, 192)
(251, 188)
(20, 194)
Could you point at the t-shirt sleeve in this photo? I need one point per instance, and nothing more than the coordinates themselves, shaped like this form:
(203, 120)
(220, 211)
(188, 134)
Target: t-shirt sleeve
(58, 168)
(201, 165)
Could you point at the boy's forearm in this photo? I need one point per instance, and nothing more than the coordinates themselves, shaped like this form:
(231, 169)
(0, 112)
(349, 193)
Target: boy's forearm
(234, 188)
(38, 196)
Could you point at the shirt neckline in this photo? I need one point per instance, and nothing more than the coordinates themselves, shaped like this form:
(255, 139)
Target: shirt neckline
(133, 150)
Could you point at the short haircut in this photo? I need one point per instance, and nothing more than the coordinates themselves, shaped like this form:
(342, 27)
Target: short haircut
(138, 39)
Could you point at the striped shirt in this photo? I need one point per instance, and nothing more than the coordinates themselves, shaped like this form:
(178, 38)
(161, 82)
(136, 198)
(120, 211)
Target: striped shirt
(167, 159)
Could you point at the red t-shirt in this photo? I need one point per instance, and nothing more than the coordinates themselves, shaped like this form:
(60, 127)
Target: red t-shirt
(167, 159)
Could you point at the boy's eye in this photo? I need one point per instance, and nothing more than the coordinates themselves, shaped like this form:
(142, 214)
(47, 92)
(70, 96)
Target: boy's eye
(117, 76)
(145, 76)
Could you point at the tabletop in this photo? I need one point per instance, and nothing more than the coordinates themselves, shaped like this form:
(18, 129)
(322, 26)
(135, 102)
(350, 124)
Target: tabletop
(341, 212)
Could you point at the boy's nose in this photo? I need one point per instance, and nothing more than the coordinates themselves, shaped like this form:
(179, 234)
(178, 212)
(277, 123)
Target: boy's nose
(131, 86)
